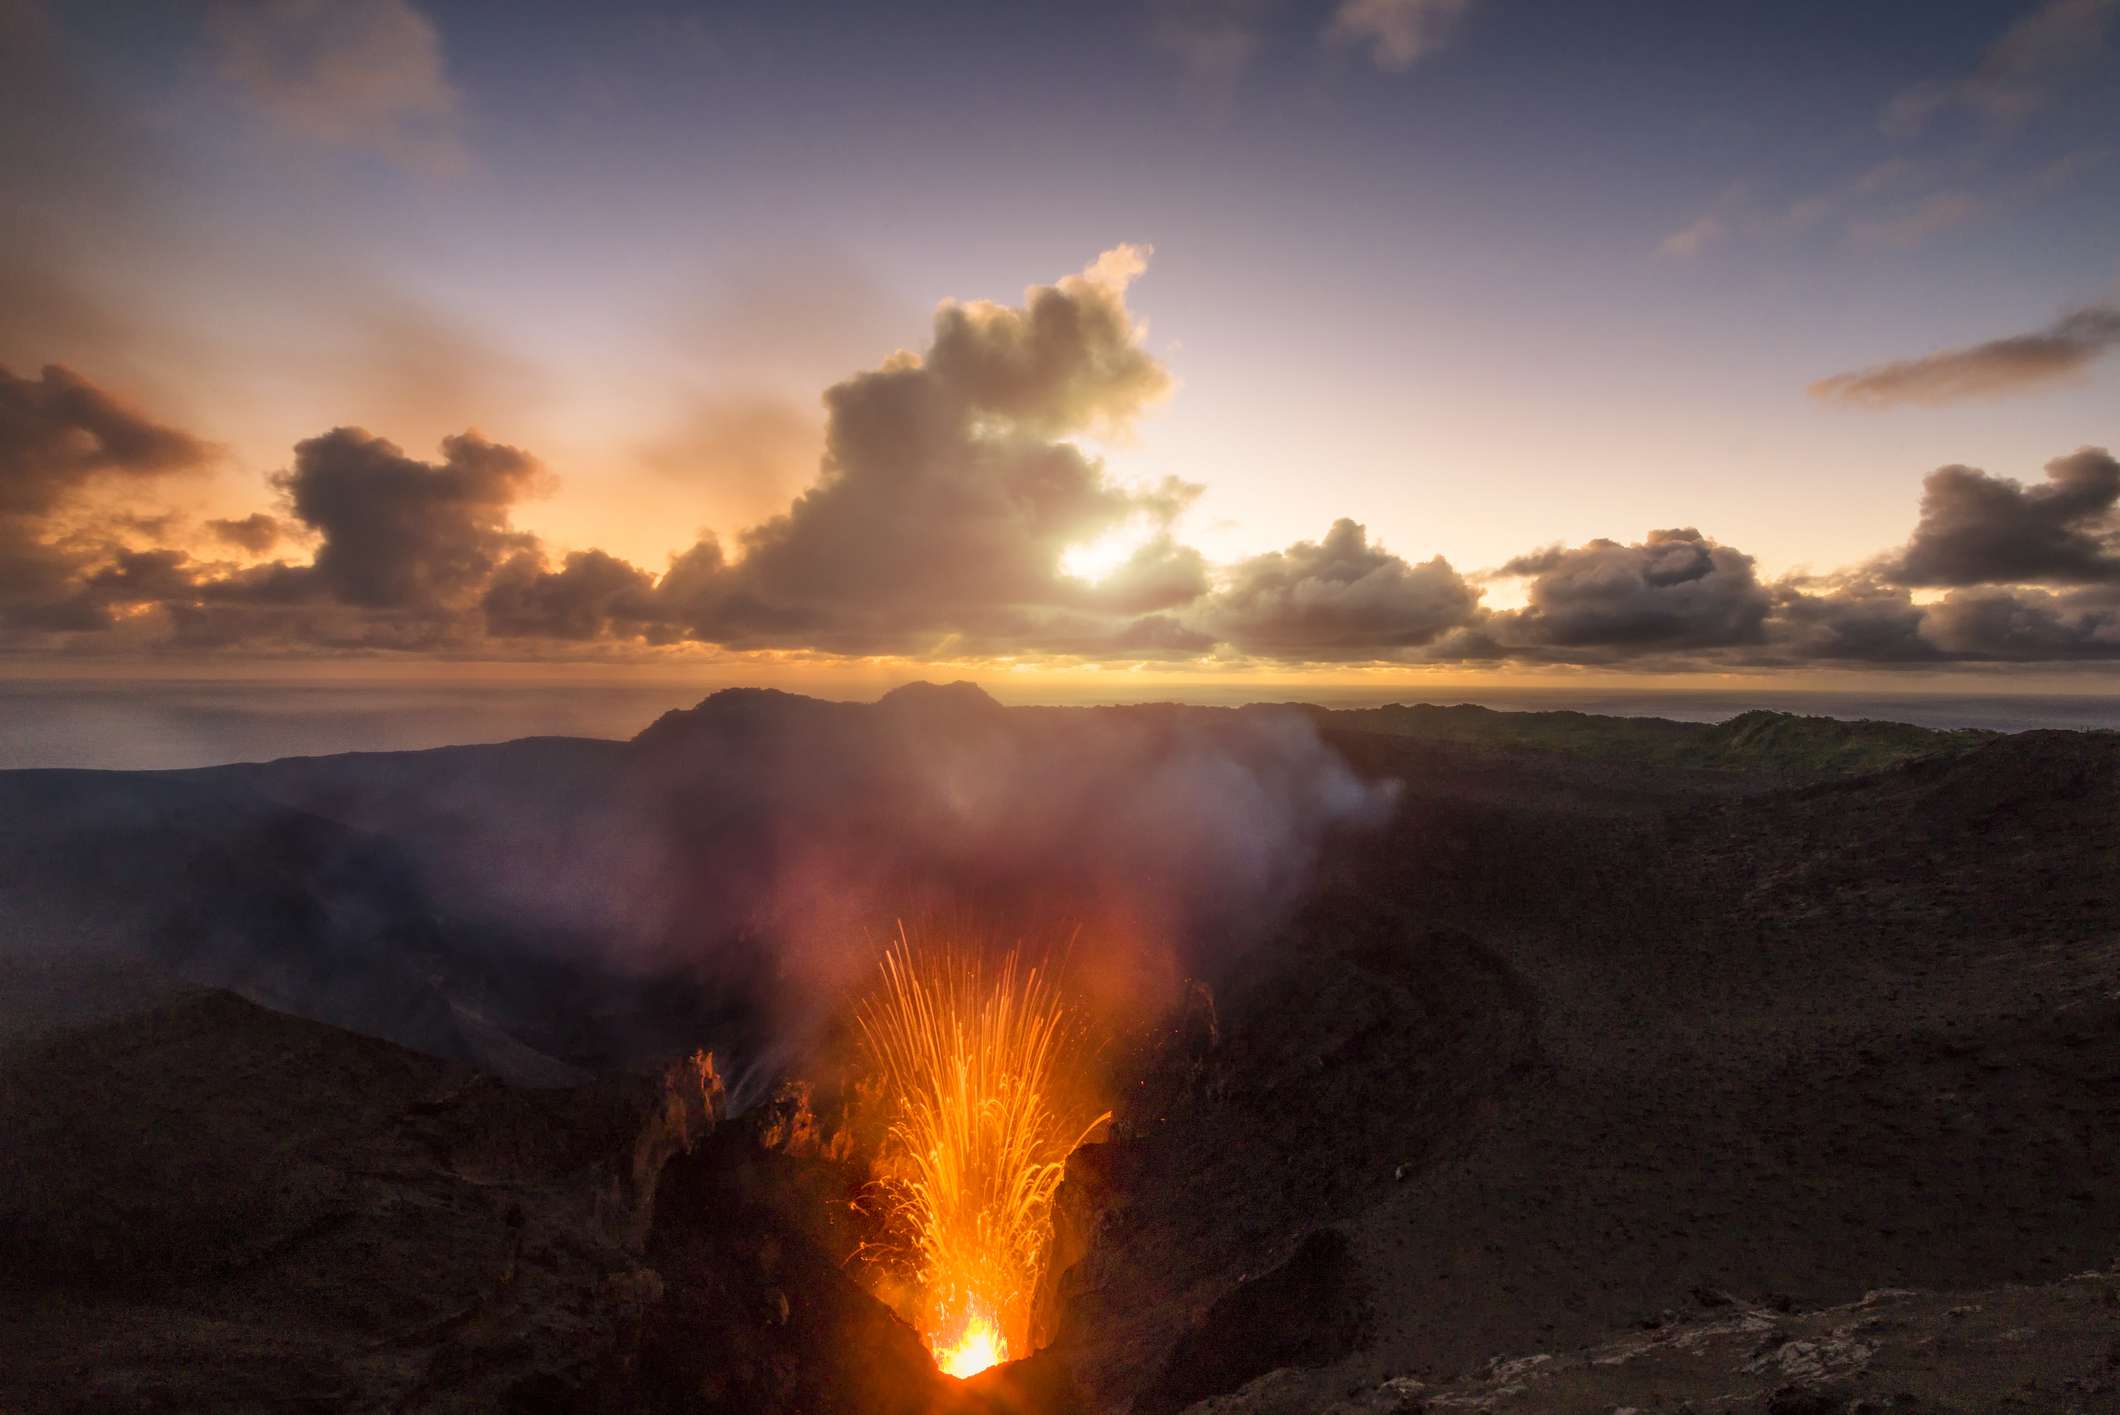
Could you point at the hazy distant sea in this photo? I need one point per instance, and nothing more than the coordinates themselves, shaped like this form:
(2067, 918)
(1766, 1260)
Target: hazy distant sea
(155, 724)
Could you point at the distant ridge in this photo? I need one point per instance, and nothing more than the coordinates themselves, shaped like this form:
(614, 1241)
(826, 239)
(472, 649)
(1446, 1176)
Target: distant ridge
(1760, 740)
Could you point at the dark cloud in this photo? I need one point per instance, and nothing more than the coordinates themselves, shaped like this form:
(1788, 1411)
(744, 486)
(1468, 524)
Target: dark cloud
(1995, 368)
(2026, 624)
(1674, 590)
(591, 596)
(1340, 598)
(1854, 619)
(256, 533)
(1979, 529)
(58, 431)
(61, 438)
(400, 533)
(1860, 621)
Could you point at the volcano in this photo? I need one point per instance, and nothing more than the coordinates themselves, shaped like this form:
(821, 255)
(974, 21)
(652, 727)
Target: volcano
(1454, 1060)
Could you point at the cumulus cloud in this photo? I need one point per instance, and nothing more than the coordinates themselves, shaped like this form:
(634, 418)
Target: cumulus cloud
(362, 74)
(256, 533)
(948, 496)
(1397, 33)
(2019, 72)
(57, 431)
(1339, 598)
(2026, 624)
(1854, 618)
(941, 523)
(398, 532)
(590, 596)
(1998, 367)
(1673, 590)
(1860, 621)
(62, 437)
(1980, 529)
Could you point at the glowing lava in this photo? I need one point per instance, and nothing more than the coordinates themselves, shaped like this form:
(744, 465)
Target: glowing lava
(989, 1095)
(980, 1346)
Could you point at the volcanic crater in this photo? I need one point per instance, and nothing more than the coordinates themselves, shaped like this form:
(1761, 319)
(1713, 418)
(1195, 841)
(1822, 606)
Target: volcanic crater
(1553, 1063)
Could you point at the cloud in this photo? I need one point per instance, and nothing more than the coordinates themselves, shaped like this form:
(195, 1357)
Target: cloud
(57, 431)
(1398, 33)
(61, 440)
(1906, 229)
(947, 495)
(2026, 625)
(256, 533)
(1977, 529)
(361, 74)
(1856, 619)
(1860, 620)
(1215, 41)
(1996, 368)
(400, 533)
(2018, 73)
(592, 596)
(947, 502)
(1673, 590)
(1690, 240)
(1340, 598)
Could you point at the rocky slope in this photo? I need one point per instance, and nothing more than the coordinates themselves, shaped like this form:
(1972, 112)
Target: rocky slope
(1530, 1065)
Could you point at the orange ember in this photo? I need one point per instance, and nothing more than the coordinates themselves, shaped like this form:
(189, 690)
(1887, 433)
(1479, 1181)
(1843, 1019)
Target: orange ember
(985, 1079)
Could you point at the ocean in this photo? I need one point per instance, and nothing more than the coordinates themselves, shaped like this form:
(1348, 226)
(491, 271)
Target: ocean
(155, 724)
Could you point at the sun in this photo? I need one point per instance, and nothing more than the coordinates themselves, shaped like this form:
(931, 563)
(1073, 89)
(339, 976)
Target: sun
(1094, 560)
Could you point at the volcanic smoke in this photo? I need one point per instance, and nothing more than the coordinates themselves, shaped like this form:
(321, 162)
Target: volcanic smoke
(987, 1081)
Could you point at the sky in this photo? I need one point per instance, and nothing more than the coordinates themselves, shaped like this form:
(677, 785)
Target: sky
(1359, 339)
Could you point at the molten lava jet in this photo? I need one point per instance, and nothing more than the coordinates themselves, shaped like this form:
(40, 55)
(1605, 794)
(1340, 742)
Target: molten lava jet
(986, 1079)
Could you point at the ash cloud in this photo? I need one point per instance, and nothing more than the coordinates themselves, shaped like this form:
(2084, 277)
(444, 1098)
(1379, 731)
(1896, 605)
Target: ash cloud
(1996, 368)
(763, 836)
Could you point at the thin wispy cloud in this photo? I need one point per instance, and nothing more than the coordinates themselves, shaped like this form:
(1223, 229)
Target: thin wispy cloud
(1396, 34)
(2019, 363)
(1903, 201)
(360, 74)
(2019, 73)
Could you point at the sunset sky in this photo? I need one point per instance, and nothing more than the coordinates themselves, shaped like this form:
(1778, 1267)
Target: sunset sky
(1245, 337)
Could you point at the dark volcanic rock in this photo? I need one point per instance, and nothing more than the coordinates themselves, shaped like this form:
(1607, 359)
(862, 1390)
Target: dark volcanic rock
(207, 1205)
(1310, 1310)
(1597, 1020)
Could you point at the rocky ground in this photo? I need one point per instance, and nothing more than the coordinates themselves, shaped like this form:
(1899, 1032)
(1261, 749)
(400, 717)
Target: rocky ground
(2051, 1347)
(1594, 1078)
(206, 1205)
